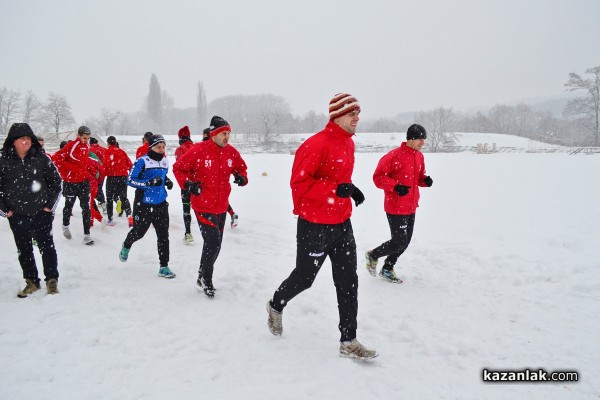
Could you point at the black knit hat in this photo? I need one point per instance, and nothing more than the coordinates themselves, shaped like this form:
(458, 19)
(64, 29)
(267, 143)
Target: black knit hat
(416, 131)
(218, 125)
(83, 130)
(156, 139)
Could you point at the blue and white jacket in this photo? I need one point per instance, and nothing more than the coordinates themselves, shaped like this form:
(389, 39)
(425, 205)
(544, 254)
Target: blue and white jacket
(145, 169)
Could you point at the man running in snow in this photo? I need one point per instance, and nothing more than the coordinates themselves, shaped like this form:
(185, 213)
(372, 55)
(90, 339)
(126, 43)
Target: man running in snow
(399, 173)
(204, 171)
(117, 167)
(72, 164)
(149, 177)
(322, 189)
(185, 143)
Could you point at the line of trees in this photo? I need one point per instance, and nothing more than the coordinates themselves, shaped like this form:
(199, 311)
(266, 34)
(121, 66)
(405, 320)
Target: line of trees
(264, 115)
(53, 114)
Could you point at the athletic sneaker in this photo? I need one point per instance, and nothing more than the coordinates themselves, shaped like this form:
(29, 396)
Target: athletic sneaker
(130, 220)
(274, 321)
(355, 349)
(389, 275)
(188, 238)
(124, 253)
(207, 287)
(110, 222)
(371, 263)
(165, 272)
(234, 220)
(52, 286)
(67, 232)
(103, 207)
(87, 240)
(30, 287)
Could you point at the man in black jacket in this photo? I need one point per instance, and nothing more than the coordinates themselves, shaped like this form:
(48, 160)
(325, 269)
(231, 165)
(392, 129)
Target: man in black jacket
(29, 192)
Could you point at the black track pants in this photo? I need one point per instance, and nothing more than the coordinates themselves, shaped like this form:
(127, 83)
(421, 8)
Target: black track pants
(156, 215)
(38, 227)
(314, 243)
(72, 191)
(211, 227)
(401, 227)
(116, 189)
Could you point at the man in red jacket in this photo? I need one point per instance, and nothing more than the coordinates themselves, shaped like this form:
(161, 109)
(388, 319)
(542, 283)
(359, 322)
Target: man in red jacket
(143, 149)
(322, 186)
(185, 143)
(72, 164)
(204, 171)
(399, 173)
(116, 168)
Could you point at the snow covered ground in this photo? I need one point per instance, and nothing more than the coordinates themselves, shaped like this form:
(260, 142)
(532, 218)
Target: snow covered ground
(502, 273)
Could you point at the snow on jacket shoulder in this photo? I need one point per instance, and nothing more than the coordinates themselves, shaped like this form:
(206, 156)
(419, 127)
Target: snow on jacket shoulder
(404, 166)
(72, 161)
(116, 162)
(322, 162)
(211, 166)
(144, 170)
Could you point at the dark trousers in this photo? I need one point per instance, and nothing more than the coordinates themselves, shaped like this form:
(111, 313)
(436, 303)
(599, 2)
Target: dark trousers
(116, 189)
(100, 196)
(156, 215)
(314, 242)
(187, 216)
(38, 227)
(72, 191)
(401, 227)
(211, 227)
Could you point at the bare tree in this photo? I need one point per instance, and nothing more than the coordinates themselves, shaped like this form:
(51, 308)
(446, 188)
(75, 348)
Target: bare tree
(32, 108)
(586, 108)
(57, 112)
(201, 106)
(439, 124)
(106, 121)
(501, 119)
(524, 120)
(9, 107)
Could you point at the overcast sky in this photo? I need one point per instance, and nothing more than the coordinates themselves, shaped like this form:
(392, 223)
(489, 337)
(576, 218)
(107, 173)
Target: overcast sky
(395, 55)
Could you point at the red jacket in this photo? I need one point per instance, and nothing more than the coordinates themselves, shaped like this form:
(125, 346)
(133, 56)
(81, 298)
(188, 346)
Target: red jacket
(211, 166)
(322, 162)
(142, 150)
(72, 161)
(404, 166)
(182, 149)
(98, 150)
(116, 162)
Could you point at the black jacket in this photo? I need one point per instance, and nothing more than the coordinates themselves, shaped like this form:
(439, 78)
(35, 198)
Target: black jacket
(27, 185)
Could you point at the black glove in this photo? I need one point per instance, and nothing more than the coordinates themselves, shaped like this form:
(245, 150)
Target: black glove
(428, 181)
(344, 190)
(357, 196)
(401, 189)
(193, 187)
(240, 180)
(168, 183)
(155, 181)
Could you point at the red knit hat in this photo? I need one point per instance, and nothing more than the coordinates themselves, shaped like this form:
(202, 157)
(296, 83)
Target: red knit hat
(184, 132)
(342, 104)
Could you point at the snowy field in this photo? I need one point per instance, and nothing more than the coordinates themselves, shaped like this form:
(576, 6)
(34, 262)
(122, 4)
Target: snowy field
(503, 273)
